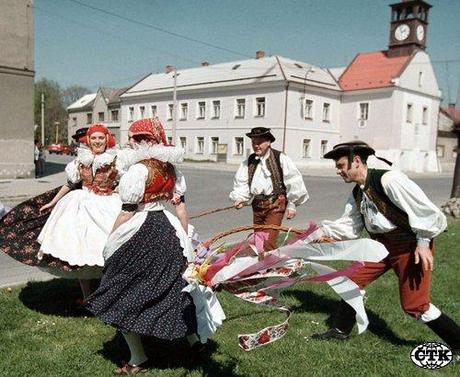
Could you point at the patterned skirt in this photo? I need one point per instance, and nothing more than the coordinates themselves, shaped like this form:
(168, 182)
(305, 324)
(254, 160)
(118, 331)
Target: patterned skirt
(141, 288)
(19, 230)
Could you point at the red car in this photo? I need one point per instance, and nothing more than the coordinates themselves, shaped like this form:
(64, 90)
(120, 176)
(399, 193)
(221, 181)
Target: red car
(59, 149)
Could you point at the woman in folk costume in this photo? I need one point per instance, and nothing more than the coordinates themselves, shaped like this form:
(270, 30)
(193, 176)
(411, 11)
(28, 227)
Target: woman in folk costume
(81, 219)
(141, 289)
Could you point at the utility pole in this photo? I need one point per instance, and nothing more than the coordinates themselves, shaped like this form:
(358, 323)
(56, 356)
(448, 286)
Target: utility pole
(455, 193)
(174, 114)
(57, 131)
(43, 119)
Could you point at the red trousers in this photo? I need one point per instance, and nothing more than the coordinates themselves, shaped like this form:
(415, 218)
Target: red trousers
(414, 282)
(266, 212)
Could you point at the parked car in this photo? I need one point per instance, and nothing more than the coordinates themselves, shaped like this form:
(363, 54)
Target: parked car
(59, 149)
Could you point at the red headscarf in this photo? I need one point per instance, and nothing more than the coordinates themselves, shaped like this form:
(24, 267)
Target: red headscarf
(150, 127)
(110, 138)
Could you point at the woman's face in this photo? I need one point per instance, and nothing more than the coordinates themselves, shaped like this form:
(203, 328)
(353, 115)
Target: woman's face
(98, 142)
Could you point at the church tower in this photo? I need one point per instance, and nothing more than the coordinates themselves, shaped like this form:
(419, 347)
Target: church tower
(408, 27)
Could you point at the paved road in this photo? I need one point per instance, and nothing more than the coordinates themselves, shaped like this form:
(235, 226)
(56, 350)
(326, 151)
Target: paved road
(208, 188)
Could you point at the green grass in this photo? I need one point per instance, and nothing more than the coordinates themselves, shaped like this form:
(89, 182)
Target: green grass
(43, 334)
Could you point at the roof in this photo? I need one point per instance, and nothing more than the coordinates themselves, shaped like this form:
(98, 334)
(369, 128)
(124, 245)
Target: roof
(452, 112)
(86, 101)
(112, 95)
(371, 70)
(251, 71)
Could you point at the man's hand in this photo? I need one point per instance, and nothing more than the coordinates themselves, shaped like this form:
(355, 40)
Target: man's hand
(290, 214)
(239, 204)
(425, 255)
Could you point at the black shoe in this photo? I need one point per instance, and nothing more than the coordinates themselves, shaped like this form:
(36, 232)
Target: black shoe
(333, 333)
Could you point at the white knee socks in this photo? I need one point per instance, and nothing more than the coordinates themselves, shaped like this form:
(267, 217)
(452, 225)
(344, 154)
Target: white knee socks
(135, 347)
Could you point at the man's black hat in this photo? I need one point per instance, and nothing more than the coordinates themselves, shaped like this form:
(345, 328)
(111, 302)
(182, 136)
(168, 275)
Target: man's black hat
(351, 149)
(80, 133)
(261, 132)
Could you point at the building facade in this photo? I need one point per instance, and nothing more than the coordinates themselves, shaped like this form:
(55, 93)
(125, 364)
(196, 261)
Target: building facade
(446, 144)
(101, 107)
(16, 89)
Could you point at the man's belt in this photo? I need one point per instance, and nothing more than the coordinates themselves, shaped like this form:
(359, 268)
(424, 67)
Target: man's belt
(272, 197)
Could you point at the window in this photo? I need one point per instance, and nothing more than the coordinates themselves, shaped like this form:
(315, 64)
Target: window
(200, 145)
(425, 115)
(130, 114)
(240, 108)
(183, 111)
(100, 116)
(201, 110)
(154, 111)
(214, 143)
(363, 114)
(440, 150)
(239, 146)
(169, 140)
(142, 112)
(170, 111)
(420, 79)
(323, 147)
(74, 122)
(308, 109)
(326, 111)
(216, 109)
(89, 118)
(183, 142)
(114, 115)
(409, 113)
(260, 106)
(306, 148)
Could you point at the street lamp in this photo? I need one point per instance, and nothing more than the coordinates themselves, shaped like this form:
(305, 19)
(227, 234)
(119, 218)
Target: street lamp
(57, 131)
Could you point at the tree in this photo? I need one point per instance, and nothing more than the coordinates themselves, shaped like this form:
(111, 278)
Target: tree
(73, 93)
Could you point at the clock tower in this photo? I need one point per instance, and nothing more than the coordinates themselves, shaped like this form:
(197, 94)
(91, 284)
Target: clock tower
(408, 28)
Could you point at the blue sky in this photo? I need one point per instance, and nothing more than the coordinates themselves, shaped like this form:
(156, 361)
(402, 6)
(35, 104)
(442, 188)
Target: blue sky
(78, 45)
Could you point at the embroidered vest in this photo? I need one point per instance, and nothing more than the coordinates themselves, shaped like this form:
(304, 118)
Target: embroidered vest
(160, 181)
(104, 180)
(274, 166)
(375, 192)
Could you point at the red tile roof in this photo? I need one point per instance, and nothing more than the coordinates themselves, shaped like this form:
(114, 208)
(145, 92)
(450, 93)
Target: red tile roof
(452, 112)
(372, 70)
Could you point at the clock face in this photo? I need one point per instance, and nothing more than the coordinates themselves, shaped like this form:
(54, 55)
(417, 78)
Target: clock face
(420, 32)
(402, 32)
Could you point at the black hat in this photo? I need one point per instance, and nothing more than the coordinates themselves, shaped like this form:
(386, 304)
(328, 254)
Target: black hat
(261, 132)
(80, 133)
(351, 149)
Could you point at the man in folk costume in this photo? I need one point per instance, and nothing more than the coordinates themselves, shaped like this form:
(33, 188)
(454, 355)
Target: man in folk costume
(396, 212)
(271, 180)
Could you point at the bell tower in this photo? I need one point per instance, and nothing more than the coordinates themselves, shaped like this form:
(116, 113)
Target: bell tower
(408, 27)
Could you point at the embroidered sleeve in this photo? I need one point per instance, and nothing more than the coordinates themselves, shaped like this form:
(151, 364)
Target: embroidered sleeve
(72, 172)
(297, 193)
(425, 219)
(132, 184)
(240, 184)
(181, 186)
(347, 227)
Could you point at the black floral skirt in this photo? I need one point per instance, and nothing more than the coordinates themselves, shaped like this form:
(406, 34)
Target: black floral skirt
(141, 288)
(19, 230)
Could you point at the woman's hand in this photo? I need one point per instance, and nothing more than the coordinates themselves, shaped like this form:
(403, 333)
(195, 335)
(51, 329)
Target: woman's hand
(47, 206)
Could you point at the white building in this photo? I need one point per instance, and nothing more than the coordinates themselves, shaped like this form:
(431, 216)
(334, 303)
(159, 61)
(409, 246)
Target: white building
(218, 104)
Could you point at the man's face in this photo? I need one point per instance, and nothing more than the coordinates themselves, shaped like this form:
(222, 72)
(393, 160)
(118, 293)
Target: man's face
(260, 145)
(342, 168)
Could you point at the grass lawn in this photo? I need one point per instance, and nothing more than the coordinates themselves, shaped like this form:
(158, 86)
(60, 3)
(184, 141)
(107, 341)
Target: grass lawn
(44, 334)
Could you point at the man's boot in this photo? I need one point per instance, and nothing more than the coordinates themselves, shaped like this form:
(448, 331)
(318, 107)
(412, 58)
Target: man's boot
(344, 320)
(449, 331)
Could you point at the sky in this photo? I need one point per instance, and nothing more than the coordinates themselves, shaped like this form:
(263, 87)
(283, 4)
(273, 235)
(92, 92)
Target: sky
(76, 44)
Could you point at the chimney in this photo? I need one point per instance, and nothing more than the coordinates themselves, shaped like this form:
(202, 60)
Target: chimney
(169, 68)
(260, 54)
(204, 64)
